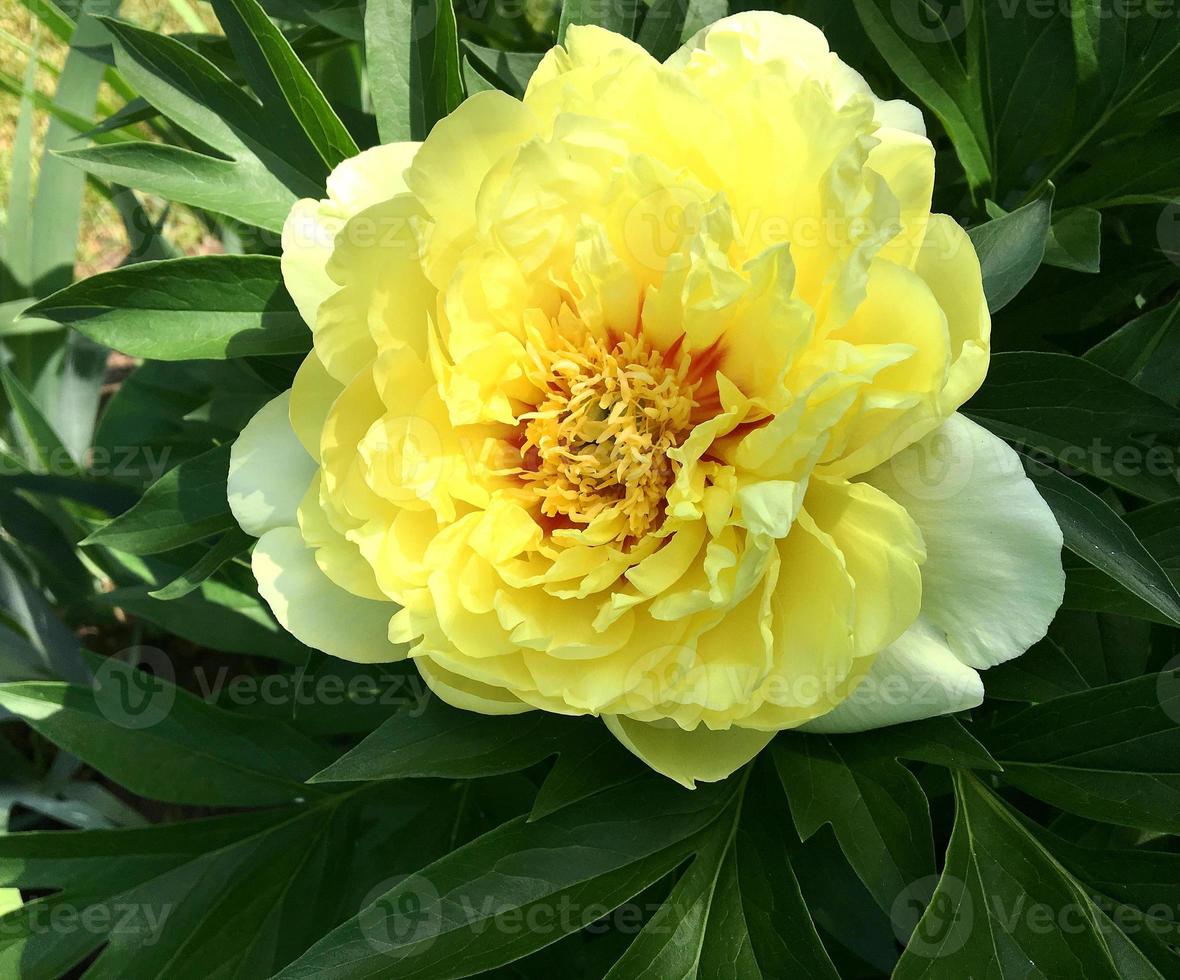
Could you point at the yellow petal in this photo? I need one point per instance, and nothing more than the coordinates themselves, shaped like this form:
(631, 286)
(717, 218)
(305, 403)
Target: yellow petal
(688, 757)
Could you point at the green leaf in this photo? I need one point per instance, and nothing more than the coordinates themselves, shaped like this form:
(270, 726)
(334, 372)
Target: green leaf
(43, 446)
(663, 27)
(158, 899)
(1146, 171)
(1011, 248)
(413, 56)
(196, 95)
(919, 47)
(614, 15)
(1146, 351)
(210, 306)
(1110, 754)
(44, 648)
(16, 245)
(875, 805)
(594, 762)
(1096, 533)
(230, 545)
(57, 207)
(294, 108)
(1085, 417)
(464, 913)
(1082, 650)
(187, 504)
(987, 916)
(1138, 888)
(737, 910)
(1127, 65)
(433, 739)
(163, 743)
(249, 194)
(1075, 240)
(510, 71)
(215, 615)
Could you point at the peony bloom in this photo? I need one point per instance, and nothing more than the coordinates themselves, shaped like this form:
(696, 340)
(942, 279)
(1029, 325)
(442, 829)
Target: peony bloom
(637, 398)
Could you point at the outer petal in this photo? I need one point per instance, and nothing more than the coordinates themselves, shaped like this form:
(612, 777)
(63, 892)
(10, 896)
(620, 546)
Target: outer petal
(757, 37)
(917, 677)
(468, 694)
(311, 227)
(701, 754)
(992, 580)
(316, 611)
(269, 470)
(454, 161)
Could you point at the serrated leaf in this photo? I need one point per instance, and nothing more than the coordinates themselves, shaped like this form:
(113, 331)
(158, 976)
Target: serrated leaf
(210, 306)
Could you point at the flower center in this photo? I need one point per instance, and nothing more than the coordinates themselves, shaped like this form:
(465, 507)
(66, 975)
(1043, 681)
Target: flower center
(596, 448)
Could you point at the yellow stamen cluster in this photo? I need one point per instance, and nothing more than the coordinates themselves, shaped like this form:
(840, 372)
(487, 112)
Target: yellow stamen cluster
(595, 450)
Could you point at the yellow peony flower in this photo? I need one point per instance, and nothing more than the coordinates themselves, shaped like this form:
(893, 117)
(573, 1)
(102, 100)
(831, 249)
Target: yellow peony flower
(636, 398)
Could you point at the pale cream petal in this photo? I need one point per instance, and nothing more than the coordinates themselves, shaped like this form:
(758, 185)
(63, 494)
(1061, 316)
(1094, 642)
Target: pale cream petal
(992, 580)
(371, 177)
(315, 610)
(269, 470)
(917, 677)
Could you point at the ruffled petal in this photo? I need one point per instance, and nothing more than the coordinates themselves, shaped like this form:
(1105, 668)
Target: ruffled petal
(701, 754)
(447, 174)
(311, 227)
(316, 611)
(883, 554)
(467, 694)
(269, 470)
(993, 579)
